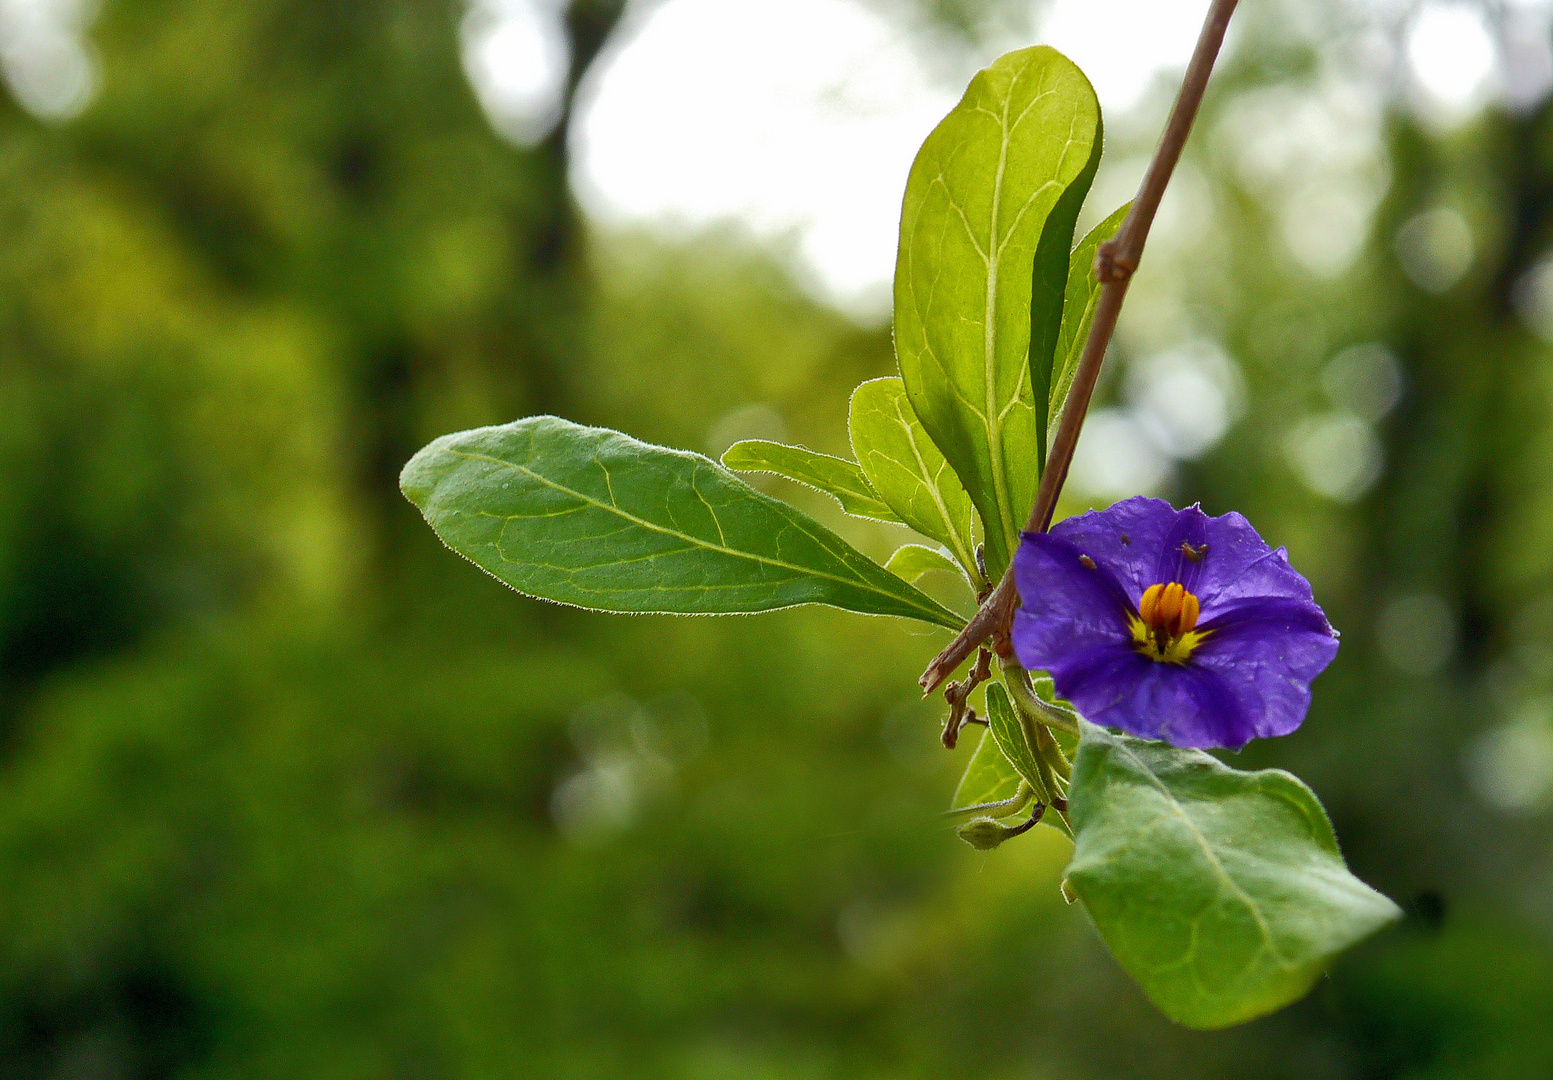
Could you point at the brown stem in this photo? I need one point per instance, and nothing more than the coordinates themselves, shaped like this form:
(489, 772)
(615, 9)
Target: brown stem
(1115, 263)
(958, 694)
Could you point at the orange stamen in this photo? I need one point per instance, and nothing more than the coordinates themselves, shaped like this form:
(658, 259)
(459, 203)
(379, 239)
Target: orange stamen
(1165, 627)
(1190, 609)
(1169, 608)
(1148, 605)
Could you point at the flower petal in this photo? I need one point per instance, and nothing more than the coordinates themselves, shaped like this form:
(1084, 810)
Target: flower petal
(1103, 682)
(1185, 550)
(1185, 705)
(1240, 565)
(1064, 602)
(1268, 616)
(1267, 651)
(1126, 538)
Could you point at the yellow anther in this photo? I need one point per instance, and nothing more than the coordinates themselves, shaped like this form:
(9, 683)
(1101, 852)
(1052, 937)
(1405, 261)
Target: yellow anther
(1169, 612)
(1148, 605)
(1190, 609)
(1167, 616)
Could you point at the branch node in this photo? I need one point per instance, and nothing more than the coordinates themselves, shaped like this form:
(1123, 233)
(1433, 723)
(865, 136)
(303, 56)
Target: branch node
(1113, 263)
(957, 694)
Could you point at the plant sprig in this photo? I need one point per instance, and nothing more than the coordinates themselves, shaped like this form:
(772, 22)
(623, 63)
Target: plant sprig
(1222, 892)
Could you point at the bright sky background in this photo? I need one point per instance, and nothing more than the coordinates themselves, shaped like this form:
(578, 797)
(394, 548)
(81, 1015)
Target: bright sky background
(819, 106)
(798, 119)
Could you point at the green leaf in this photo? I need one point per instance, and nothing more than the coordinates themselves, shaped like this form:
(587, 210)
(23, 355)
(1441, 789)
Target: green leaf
(1004, 724)
(833, 475)
(988, 778)
(990, 207)
(1222, 893)
(910, 473)
(594, 518)
(1078, 309)
(911, 561)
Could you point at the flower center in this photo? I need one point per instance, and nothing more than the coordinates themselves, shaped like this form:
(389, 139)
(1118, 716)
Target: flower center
(1163, 628)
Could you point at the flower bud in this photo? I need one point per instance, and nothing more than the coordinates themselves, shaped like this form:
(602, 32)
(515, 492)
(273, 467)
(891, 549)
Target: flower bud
(984, 833)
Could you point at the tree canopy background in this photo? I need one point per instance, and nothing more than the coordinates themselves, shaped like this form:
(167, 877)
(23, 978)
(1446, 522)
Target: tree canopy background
(286, 789)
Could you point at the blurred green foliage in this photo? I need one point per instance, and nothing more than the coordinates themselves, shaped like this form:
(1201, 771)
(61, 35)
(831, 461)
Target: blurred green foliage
(289, 790)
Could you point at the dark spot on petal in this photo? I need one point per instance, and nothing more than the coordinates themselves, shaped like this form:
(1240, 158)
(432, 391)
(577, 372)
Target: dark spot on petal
(1089, 564)
(1195, 554)
(1126, 539)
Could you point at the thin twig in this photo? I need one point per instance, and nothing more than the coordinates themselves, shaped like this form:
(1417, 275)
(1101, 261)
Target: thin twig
(1115, 263)
(958, 694)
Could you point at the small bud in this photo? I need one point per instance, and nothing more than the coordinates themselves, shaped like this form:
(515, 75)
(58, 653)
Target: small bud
(984, 833)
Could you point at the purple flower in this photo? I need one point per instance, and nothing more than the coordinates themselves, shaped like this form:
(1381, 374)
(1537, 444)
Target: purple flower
(1170, 624)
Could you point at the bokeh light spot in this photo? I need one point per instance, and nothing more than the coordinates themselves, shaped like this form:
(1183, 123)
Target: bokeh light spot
(1115, 457)
(1511, 766)
(517, 58)
(1364, 379)
(45, 57)
(1435, 249)
(1451, 54)
(1336, 454)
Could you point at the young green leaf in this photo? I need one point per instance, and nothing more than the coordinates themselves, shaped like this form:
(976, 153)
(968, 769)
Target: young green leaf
(910, 474)
(1222, 893)
(990, 207)
(594, 518)
(835, 476)
(1078, 309)
(1004, 724)
(988, 778)
(911, 561)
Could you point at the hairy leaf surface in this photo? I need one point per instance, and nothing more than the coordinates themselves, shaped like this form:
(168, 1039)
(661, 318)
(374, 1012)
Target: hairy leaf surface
(591, 517)
(835, 476)
(990, 205)
(1222, 893)
(910, 474)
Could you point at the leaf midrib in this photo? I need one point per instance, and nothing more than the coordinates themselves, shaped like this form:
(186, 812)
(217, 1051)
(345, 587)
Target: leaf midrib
(931, 483)
(1213, 859)
(989, 332)
(694, 541)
